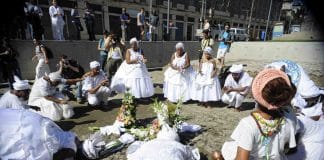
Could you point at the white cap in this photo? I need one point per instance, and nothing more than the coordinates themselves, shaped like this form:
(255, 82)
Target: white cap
(94, 64)
(179, 45)
(55, 76)
(209, 50)
(20, 84)
(133, 40)
(236, 68)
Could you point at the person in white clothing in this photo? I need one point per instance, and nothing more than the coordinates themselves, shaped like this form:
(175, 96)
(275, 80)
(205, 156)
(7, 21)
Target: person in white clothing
(206, 86)
(236, 87)
(271, 128)
(310, 116)
(133, 74)
(95, 85)
(42, 67)
(179, 76)
(16, 98)
(52, 103)
(28, 135)
(57, 14)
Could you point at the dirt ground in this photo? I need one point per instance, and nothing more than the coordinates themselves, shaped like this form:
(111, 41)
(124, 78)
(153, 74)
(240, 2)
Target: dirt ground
(217, 122)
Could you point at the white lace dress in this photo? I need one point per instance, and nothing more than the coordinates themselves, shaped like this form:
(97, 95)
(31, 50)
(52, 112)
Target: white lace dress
(204, 87)
(133, 76)
(177, 83)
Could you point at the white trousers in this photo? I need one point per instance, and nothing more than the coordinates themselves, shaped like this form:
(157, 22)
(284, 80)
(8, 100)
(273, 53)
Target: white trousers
(57, 30)
(41, 68)
(101, 95)
(233, 99)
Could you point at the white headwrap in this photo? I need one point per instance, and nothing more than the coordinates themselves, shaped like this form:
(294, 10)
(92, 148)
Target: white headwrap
(315, 110)
(236, 68)
(309, 89)
(94, 64)
(20, 84)
(179, 45)
(209, 50)
(55, 76)
(133, 40)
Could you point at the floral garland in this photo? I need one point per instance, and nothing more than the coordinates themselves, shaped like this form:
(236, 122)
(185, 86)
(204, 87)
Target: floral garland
(127, 112)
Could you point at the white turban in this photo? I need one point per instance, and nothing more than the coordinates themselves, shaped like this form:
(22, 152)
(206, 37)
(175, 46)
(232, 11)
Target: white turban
(133, 40)
(55, 76)
(179, 45)
(236, 68)
(20, 84)
(309, 89)
(315, 110)
(208, 50)
(94, 64)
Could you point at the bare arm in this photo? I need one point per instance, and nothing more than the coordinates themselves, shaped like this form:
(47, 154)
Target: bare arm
(53, 99)
(242, 154)
(214, 72)
(171, 65)
(187, 64)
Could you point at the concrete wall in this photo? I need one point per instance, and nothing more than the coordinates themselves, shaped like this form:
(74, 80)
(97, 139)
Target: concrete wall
(309, 54)
(157, 53)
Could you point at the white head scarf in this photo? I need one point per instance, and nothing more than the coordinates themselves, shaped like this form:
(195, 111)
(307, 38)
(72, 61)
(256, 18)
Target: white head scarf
(94, 64)
(19, 85)
(55, 76)
(179, 45)
(236, 68)
(209, 50)
(133, 40)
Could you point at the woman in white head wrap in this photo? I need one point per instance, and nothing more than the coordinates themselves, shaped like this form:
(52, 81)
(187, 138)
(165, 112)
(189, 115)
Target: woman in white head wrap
(206, 86)
(178, 77)
(42, 67)
(133, 73)
(52, 103)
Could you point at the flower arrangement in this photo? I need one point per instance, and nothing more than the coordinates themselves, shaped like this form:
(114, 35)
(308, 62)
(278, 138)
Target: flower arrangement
(168, 113)
(147, 133)
(127, 112)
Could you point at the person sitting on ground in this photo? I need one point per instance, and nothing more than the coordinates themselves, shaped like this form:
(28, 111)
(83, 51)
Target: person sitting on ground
(310, 116)
(271, 127)
(236, 87)
(51, 102)
(179, 76)
(28, 135)
(17, 97)
(206, 86)
(95, 85)
(133, 74)
(71, 69)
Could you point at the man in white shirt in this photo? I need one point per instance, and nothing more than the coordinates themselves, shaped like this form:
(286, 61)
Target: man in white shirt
(16, 98)
(57, 13)
(95, 85)
(53, 103)
(236, 87)
(141, 22)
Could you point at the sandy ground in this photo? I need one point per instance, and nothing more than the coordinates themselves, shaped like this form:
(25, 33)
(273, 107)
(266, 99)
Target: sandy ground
(218, 122)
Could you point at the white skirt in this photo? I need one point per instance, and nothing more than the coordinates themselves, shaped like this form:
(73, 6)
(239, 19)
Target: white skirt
(206, 92)
(134, 77)
(177, 85)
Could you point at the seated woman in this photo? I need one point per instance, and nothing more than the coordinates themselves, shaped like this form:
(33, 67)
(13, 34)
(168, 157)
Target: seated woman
(178, 77)
(133, 74)
(271, 127)
(206, 86)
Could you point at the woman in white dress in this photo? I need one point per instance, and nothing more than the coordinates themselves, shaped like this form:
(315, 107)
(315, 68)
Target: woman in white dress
(178, 77)
(42, 65)
(206, 86)
(133, 74)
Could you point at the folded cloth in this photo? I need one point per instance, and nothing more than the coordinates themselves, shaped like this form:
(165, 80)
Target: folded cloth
(91, 146)
(116, 128)
(186, 127)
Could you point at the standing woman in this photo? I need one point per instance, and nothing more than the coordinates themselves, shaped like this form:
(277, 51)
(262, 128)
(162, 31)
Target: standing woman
(206, 86)
(42, 65)
(178, 77)
(57, 14)
(115, 55)
(270, 129)
(133, 74)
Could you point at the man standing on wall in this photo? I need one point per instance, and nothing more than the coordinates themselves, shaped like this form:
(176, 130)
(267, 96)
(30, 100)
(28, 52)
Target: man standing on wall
(225, 39)
(124, 20)
(141, 22)
(153, 24)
